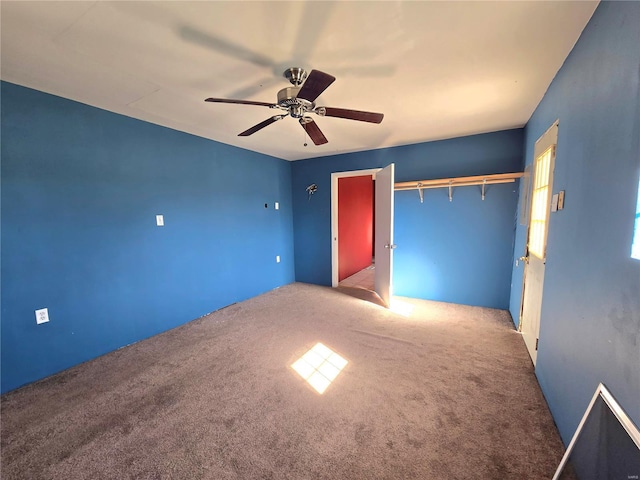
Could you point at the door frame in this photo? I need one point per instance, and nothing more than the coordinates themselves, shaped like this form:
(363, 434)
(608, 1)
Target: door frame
(334, 214)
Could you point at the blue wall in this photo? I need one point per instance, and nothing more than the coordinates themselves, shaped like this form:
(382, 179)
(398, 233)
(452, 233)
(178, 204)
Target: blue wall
(80, 191)
(590, 323)
(456, 251)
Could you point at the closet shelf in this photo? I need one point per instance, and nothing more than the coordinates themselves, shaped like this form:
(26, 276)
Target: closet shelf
(483, 180)
(459, 181)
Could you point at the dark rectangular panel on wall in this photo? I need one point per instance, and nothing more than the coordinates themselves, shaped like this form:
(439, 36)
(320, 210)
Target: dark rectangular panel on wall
(81, 188)
(355, 224)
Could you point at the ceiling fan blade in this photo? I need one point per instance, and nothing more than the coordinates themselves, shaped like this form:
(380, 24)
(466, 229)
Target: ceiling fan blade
(257, 87)
(313, 131)
(310, 34)
(381, 70)
(225, 47)
(261, 125)
(352, 114)
(316, 83)
(240, 102)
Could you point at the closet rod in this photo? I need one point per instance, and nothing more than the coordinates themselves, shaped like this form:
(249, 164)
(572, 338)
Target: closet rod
(453, 184)
(459, 181)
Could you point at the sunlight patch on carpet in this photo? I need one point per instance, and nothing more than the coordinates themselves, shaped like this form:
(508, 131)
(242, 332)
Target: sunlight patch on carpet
(319, 367)
(401, 308)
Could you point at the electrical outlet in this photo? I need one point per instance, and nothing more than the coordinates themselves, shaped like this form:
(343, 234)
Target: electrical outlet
(42, 316)
(277, 258)
(160, 220)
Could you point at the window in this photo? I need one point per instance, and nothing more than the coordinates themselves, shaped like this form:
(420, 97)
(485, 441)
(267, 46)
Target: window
(540, 203)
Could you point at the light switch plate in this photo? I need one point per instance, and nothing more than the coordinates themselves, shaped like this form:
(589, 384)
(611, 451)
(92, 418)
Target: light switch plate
(42, 316)
(277, 258)
(554, 203)
(277, 206)
(160, 220)
(561, 200)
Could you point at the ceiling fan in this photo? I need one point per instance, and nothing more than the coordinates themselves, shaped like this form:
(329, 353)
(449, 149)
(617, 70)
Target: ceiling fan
(299, 101)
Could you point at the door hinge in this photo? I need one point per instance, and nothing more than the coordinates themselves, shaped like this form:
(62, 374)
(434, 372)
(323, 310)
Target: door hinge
(537, 344)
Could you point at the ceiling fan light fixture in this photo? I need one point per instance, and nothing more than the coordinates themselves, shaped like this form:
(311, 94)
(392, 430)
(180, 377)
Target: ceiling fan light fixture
(297, 111)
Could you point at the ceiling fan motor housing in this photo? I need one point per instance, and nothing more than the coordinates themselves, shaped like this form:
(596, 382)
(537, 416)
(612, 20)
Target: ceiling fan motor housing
(287, 98)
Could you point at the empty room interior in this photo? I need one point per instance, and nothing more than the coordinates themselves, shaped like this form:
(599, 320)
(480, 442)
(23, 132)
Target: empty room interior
(319, 239)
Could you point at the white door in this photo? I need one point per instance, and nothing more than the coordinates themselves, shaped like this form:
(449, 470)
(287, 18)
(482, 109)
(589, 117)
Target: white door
(384, 233)
(544, 160)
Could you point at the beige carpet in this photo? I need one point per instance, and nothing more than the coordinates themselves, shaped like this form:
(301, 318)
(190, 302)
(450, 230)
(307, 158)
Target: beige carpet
(445, 393)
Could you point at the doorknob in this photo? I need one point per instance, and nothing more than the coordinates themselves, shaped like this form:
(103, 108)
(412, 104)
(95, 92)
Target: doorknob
(393, 246)
(524, 259)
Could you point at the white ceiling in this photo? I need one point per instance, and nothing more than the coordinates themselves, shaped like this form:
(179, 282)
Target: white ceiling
(435, 69)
